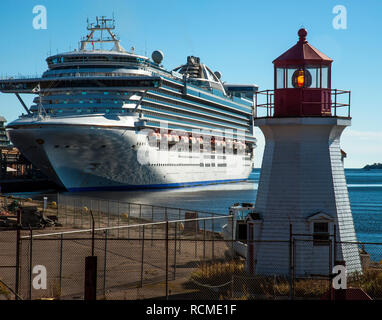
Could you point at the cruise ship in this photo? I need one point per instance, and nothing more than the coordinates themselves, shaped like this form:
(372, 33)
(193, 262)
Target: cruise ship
(104, 118)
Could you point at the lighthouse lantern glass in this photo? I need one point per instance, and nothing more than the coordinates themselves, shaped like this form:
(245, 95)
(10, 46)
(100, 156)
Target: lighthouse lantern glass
(325, 77)
(280, 76)
(308, 76)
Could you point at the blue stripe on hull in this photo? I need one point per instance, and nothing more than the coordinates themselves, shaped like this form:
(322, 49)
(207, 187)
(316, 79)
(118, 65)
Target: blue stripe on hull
(152, 186)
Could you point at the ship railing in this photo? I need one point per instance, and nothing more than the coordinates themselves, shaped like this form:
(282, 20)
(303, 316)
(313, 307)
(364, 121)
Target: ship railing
(19, 77)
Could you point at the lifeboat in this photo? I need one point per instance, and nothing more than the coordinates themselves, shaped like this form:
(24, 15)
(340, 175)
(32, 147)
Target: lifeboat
(170, 137)
(184, 139)
(175, 137)
(165, 136)
(155, 135)
(240, 145)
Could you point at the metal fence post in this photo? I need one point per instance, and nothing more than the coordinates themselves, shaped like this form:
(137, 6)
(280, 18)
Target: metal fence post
(196, 239)
(143, 254)
(108, 213)
(74, 212)
(294, 252)
(57, 205)
(213, 237)
(335, 243)
(140, 221)
(204, 239)
(166, 257)
(18, 253)
(152, 226)
(66, 212)
(290, 264)
(82, 213)
(91, 209)
(119, 218)
(105, 263)
(176, 228)
(128, 222)
(30, 261)
(330, 262)
(99, 213)
(61, 247)
(233, 236)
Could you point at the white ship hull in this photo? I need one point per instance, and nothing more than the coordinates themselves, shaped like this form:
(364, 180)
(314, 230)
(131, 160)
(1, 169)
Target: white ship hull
(87, 157)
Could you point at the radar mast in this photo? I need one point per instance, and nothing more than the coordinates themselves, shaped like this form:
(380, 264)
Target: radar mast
(102, 24)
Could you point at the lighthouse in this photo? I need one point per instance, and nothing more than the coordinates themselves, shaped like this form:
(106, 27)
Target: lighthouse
(304, 216)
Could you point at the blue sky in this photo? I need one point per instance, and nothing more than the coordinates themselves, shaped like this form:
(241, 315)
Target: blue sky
(238, 38)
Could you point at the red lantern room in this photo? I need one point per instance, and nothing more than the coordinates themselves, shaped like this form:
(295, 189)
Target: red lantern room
(302, 81)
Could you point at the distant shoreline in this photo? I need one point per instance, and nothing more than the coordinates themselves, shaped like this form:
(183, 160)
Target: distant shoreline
(373, 166)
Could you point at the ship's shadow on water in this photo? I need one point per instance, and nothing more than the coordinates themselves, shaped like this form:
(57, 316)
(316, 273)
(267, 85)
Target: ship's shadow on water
(212, 198)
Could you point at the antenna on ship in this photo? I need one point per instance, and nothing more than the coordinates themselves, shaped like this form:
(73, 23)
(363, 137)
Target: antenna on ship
(102, 24)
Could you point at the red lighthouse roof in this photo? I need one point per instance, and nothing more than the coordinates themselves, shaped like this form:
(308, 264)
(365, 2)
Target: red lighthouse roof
(302, 53)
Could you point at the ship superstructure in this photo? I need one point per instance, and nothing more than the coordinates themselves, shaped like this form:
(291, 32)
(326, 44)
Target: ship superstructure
(113, 119)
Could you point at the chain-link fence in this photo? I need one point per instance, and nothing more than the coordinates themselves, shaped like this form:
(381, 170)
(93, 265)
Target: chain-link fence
(144, 260)
(146, 252)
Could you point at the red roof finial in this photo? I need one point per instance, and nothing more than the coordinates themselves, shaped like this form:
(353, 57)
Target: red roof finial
(302, 33)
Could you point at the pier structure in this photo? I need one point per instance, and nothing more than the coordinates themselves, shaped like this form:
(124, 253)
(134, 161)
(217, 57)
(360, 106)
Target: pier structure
(302, 197)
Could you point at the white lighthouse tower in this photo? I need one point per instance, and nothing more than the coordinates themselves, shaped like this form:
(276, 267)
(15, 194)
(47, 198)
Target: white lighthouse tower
(302, 199)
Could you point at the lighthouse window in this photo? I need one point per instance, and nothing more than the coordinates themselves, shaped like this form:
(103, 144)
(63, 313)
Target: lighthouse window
(320, 233)
(325, 77)
(280, 76)
(315, 76)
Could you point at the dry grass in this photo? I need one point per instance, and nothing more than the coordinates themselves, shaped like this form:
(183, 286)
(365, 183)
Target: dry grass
(268, 287)
(4, 291)
(217, 273)
(370, 281)
(247, 286)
